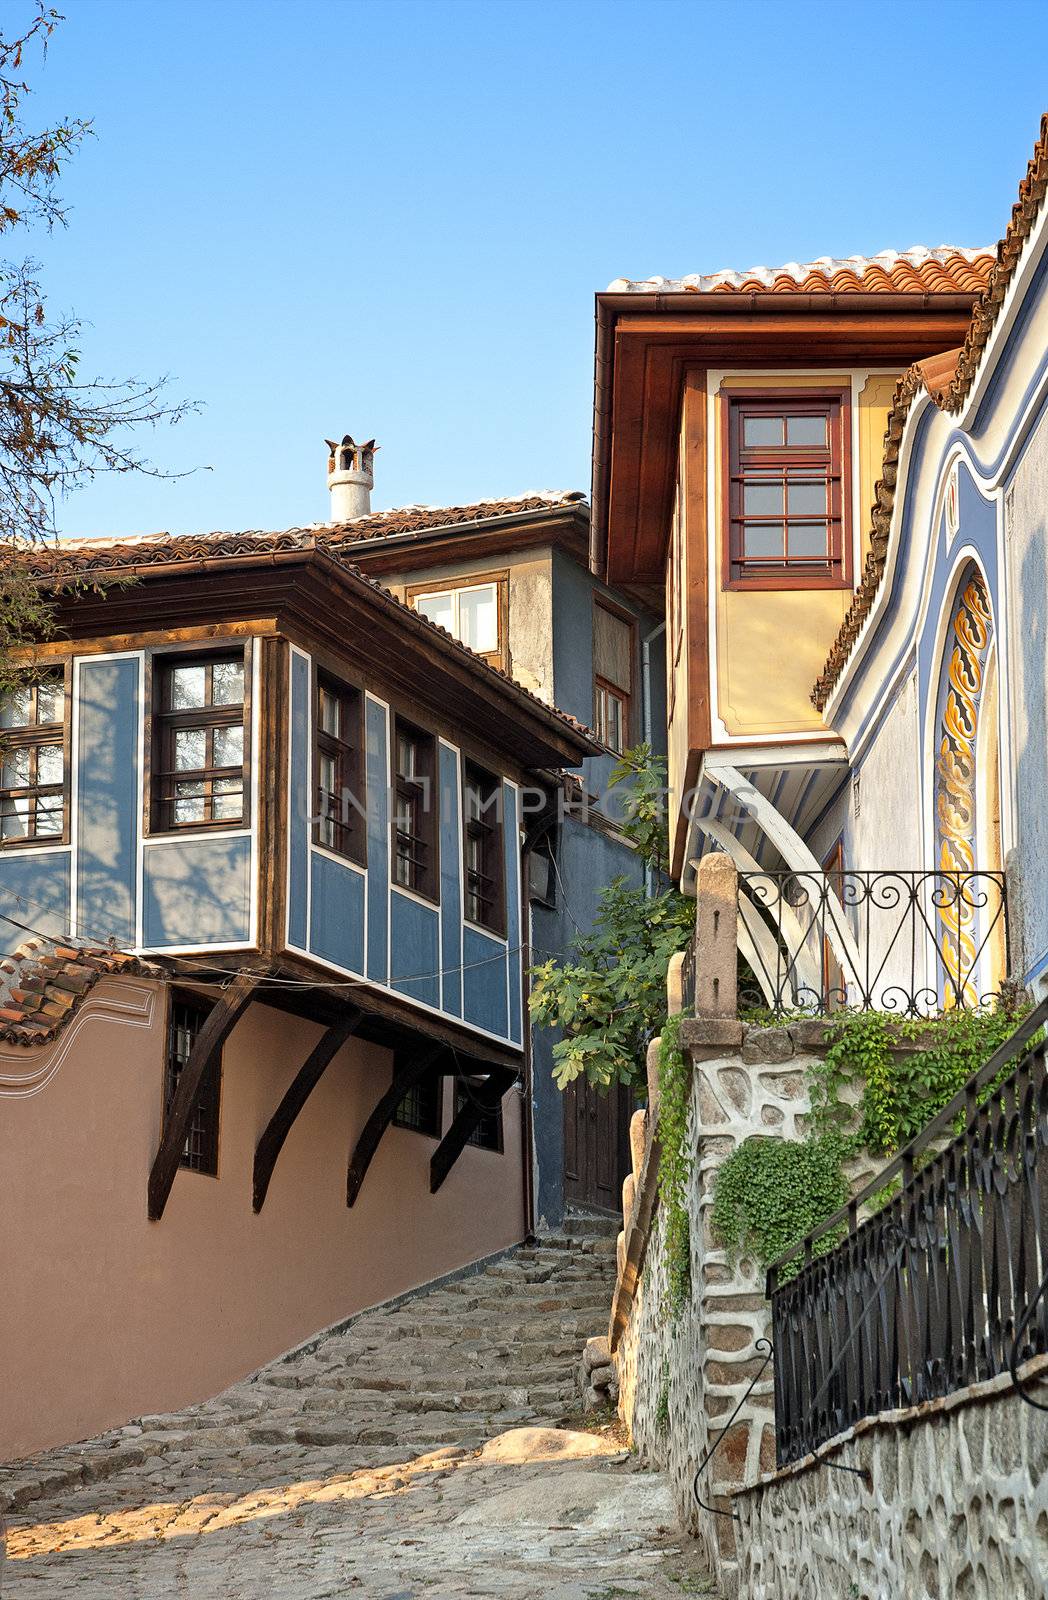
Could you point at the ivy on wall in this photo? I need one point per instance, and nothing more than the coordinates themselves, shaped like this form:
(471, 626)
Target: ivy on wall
(868, 1097)
(675, 1165)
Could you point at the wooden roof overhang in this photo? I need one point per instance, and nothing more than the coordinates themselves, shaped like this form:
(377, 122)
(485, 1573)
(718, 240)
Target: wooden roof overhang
(565, 526)
(317, 592)
(645, 343)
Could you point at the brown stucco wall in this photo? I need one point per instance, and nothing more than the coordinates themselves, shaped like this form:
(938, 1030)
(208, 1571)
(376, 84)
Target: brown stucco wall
(105, 1316)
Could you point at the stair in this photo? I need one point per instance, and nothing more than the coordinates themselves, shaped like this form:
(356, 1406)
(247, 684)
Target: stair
(446, 1367)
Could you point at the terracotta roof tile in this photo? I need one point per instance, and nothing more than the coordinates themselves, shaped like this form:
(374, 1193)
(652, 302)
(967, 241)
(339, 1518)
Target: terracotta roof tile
(87, 559)
(46, 982)
(946, 270)
(948, 380)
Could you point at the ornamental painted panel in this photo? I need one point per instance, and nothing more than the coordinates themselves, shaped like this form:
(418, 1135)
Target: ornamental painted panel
(960, 900)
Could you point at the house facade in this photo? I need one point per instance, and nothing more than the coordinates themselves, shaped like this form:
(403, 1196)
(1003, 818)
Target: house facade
(740, 424)
(938, 679)
(512, 580)
(263, 1052)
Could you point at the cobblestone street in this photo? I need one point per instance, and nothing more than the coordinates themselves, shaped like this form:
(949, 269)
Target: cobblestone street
(425, 1450)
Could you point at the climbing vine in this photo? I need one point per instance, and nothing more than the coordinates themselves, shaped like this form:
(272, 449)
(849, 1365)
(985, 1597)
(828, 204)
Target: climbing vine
(771, 1191)
(674, 1165)
(868, 1097)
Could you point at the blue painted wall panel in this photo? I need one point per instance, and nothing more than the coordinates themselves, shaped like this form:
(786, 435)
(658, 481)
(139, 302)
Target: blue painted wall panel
(415, 942)
(107, 820)
(336, 913)
(34, 889)
(298, 820)
(450, 882)
(511, 845)
(197, 892)
(378, 842)
(484, 981)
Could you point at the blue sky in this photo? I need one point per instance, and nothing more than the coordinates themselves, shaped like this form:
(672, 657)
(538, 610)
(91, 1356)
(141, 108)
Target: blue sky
(391, 218)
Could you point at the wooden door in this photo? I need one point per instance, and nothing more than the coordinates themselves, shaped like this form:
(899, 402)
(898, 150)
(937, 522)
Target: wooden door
(596, 1145)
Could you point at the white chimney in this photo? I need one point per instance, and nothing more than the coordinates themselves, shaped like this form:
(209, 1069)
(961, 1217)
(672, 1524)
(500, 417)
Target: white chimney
(351, 478)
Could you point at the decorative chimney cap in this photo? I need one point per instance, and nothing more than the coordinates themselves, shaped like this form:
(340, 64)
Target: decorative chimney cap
(353, 457)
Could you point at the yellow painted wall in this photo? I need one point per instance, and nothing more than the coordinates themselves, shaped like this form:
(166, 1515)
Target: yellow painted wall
(771, 644)
(677, 675)
(875, 400)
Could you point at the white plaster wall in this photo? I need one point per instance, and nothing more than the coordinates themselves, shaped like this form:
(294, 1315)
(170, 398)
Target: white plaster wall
(887, 831)
(1026, 556)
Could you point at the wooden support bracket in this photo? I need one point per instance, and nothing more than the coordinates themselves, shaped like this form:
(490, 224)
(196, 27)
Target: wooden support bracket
(382, 1116)
(219, 1024)
(295, 1096)
(480, 1103)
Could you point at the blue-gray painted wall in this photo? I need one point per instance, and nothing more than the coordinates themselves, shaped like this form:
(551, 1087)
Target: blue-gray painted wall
(112, 882)
(359, 922)
(587, 859)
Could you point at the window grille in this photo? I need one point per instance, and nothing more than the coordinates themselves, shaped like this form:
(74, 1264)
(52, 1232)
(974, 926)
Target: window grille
(187, 1017)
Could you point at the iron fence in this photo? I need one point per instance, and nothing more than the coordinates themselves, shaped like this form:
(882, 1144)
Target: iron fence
(940, 1288)
(908, 942)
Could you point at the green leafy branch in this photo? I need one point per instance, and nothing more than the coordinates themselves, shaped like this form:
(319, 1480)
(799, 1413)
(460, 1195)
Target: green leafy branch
(609, 998)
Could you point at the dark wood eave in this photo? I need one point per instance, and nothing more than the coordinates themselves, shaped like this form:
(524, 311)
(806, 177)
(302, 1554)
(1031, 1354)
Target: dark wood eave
(646, 342)
(298, 587)
(565, 526)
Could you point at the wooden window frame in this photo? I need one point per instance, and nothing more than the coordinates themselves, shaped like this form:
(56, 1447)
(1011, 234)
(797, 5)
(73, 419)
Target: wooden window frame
(33, 736)
(161, 725)
(836, 571)
(346, 749)
(495, 658)
(209, 1100)
(611, 691)
(433, 1086)
(495, 1143)
(425, 870)
(489, 833)
(605, 685)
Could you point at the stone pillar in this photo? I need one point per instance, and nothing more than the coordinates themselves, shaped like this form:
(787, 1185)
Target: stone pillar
(716, 936)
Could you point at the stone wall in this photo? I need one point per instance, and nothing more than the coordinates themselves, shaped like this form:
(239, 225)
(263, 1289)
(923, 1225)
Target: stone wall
(955, 1507)
(680, 1379)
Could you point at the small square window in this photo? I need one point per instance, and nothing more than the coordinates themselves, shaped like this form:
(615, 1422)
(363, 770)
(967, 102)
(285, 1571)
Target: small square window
(420, 1110)
(487, 1135)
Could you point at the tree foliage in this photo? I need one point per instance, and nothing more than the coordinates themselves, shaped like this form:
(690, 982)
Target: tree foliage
(58, 428)
(609, 998)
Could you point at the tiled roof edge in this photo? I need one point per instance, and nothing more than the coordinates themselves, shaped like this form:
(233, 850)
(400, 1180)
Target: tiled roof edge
(47, 981)
(949, 397)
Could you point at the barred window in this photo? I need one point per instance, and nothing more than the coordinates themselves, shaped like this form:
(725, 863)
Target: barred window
(487, 1135)
(340, 822)
(200, 751)
(415, 811)
(420, 1109)
(33, 762)
(187, 1017)
(485, 866)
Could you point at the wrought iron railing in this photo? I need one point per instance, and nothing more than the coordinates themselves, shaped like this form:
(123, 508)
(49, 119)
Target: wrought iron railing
(908, 942)
(940, 1288)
